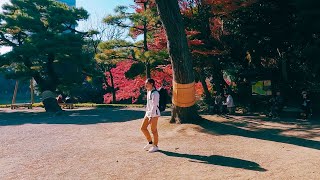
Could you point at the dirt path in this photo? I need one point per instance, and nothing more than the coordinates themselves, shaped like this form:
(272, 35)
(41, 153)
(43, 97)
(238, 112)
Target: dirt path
(107, 144)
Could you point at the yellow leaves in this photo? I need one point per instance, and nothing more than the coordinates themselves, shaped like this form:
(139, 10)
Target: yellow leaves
(89, 79)
(248, 57)
(36, 68)
(100, 57)
(110, 56)
(108, 51)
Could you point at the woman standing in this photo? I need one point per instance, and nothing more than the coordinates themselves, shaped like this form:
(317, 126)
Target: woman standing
(151, 117)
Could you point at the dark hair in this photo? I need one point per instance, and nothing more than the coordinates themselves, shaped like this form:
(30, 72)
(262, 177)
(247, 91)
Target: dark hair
(151, 81)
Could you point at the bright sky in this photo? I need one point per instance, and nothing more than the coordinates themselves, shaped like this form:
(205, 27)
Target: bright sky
(96, 8)
(99, 8)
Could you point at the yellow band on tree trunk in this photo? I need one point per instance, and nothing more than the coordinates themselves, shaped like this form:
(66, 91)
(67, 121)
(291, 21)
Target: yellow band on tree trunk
(184, 95)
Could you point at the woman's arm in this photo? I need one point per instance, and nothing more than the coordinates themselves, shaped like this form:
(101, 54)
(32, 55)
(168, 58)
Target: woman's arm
(155, 103)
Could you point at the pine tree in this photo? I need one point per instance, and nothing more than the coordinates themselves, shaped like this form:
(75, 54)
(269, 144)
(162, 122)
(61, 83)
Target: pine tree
(45, 44)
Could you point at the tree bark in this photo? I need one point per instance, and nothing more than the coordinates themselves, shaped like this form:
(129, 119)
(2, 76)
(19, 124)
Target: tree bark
(206, 14)
(218, 80)
(15, 92)
(53, 80)
(114, 98)
(50, 84)
(283, 66)
(207, 93)
(180, 56)
(145, 41)
(50, 105)
(148, 70)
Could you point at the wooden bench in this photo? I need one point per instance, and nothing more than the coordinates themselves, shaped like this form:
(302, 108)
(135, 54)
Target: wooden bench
(26, 105)
(67, 105)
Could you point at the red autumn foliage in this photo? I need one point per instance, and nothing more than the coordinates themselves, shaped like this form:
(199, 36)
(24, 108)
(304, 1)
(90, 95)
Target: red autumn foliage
(134, 88)
(207, 52)
(140, 9)
(225, 7)
(126, 88)
(159, 41)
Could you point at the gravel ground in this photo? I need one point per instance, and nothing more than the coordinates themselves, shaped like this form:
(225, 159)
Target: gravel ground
(108, 144)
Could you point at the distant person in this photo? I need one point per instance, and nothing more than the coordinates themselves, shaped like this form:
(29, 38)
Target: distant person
(229, 103)
(306, 105)
(276, 105)
(218, 104)
(151, 117)
(303, 92)
(60, 99)
(68, 99)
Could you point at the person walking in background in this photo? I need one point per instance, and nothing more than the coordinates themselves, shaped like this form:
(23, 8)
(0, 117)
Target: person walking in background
(306, 105)
(60, 99)
(218, 103)
(229, 103)
(276, 105)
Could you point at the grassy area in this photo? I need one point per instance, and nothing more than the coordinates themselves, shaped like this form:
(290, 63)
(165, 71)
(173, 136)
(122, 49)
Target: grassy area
(88, 105)
(4, 106)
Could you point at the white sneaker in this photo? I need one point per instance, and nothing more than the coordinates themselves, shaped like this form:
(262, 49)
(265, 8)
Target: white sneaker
(153, 149)
(147, 147)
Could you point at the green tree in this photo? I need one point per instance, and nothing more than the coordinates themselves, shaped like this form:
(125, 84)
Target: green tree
(100, 32)
(45, 44)
(142, 22)
(205, 54)
(307, 44)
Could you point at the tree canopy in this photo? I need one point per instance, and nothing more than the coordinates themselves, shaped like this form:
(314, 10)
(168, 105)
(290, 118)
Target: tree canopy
(45, 44)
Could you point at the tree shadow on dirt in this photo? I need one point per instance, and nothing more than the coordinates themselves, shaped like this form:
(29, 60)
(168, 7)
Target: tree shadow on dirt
(247, 129)
(79, 117)
(309, 128)
(218, 160)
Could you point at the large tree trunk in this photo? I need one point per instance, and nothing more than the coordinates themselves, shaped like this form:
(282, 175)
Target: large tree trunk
(180, 57)
(49, 100)
(205, 13)
(50, 103)
(49, 86)
(207, 93)
(148, 70)
(284, 87)
(218, 80)
(145, 41)
(114, 98)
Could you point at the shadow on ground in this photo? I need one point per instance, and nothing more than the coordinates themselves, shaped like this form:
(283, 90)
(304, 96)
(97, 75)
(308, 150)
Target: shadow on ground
(79, 117)
(246, 128)
(250, 128)
(218, 160)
